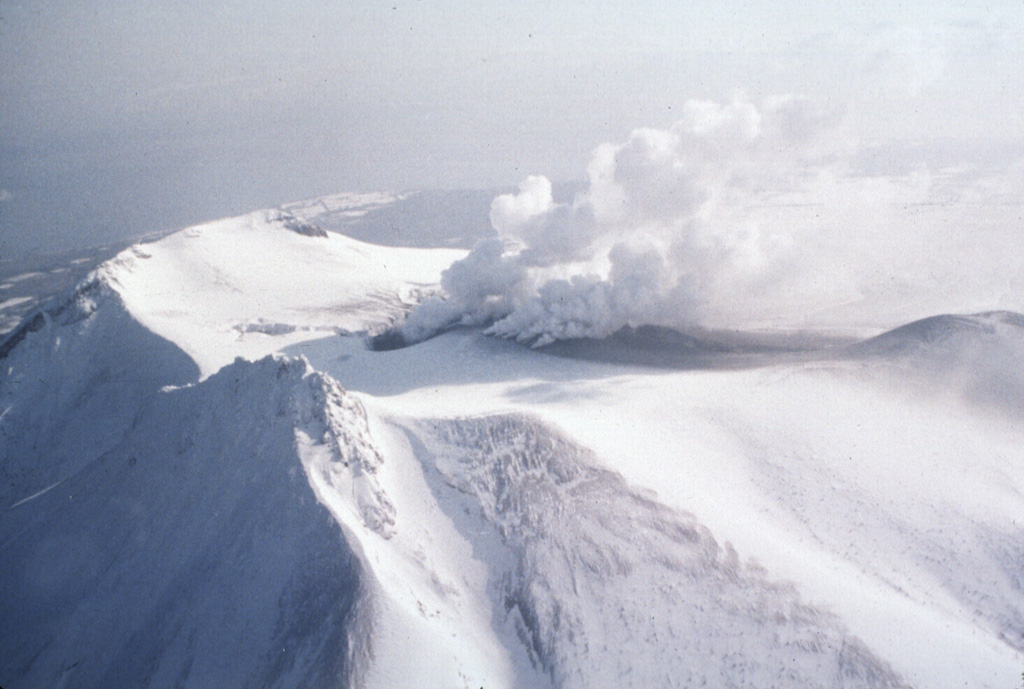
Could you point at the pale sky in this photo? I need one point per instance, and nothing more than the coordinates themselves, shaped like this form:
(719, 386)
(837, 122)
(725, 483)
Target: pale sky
(119, 118)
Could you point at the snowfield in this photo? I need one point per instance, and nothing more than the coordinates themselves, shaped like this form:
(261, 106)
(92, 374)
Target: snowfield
(208, 478)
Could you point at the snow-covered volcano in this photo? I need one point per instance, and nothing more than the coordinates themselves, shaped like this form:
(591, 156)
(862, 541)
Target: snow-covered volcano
(207, 478)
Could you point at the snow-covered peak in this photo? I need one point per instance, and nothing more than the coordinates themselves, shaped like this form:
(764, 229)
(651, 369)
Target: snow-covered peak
(208, 479)
(946, 332)
(217, 289)
(194, 550)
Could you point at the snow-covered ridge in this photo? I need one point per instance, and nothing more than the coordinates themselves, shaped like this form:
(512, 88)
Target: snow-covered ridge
(948, 330)
(202, 463)
(76, 374)
(167, 530)
(979, 357)
(215, 565)
(338, 451)
(606, 588)
(216, 289)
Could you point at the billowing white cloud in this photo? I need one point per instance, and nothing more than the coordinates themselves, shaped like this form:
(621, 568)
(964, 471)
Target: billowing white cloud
(655, 229)
(511, 212)
(479, 288)
(738, 213)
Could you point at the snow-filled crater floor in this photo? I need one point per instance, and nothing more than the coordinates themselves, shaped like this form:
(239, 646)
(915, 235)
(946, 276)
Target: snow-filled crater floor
(209, 479)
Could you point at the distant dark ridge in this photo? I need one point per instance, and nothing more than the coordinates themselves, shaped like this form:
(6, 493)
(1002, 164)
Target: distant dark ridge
(645, 345)
(387, 341)
(651, 338)
(659, 337)
(392, 338)
(663, 346)
(936, 330)
(63, 311)
(29, 325)
(655, 345)
(54, 276)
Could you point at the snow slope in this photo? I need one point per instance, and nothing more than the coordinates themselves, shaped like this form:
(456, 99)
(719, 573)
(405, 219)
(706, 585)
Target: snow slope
(469, 512)
(163, 535)
(605, 587)
(228, 287)
(192, 553)
(894, 505)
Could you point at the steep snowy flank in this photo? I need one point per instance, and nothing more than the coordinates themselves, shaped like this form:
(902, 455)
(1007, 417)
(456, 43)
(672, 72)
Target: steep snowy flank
(75, 377)
(157, 531)
(215, 565)
(29, 282)
(608, 588)
(886, 500)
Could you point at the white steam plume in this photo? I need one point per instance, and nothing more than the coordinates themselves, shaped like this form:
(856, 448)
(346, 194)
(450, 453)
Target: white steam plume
(693, 225)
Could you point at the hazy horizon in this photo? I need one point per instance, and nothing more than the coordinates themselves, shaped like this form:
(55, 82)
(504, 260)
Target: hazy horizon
(128, 118)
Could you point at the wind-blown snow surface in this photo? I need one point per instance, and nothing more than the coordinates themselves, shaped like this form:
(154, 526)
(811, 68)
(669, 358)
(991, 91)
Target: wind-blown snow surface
(469, 512)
